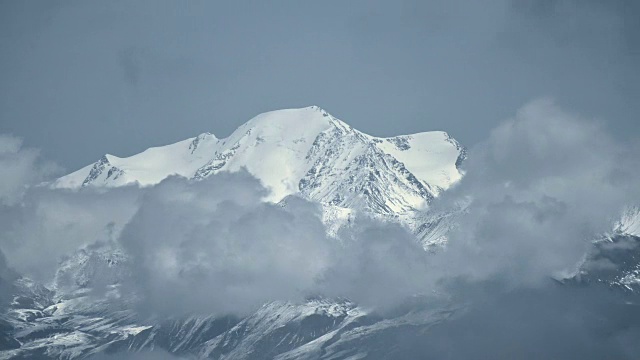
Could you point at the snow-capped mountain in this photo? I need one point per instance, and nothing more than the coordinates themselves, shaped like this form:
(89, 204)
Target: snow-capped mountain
(304, 152)
(300, 151)
(297, 152)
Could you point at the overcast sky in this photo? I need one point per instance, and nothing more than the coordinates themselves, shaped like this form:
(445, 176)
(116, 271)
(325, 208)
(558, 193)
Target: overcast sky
(82, 78)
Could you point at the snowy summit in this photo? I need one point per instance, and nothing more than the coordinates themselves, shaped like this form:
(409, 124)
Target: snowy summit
(303, 151)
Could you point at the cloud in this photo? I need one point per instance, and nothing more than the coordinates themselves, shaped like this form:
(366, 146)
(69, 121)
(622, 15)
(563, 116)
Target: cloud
(39, 225)
(213, 247)
(543, 186)
(377, 264)
(19, 168)
(214, 240)
(50, 224)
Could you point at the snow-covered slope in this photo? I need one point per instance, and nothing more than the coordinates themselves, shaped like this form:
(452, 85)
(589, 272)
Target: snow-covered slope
(297, 152)
(629, 223)
(147, 168)
(304, 152)
(300, 151)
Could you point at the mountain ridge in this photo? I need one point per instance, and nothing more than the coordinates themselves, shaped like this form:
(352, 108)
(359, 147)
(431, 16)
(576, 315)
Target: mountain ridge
(344, 170)
(303, 151)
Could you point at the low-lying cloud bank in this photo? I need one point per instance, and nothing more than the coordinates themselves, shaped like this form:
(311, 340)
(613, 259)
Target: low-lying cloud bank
(540, 188)
(213, 246)
(543, 186)
(19, 168)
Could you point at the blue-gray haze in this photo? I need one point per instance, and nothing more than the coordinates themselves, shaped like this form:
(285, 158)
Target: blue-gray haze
(82, 78)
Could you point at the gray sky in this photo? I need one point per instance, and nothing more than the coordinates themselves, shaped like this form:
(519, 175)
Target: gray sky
(82, 78)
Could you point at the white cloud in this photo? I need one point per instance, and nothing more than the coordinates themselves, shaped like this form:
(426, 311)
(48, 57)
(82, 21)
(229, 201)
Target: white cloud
(544, 184)
(229, 252)
(19, 167)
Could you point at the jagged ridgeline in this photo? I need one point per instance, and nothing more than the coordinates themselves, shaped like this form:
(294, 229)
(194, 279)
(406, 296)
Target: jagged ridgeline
(298, 152)
(309, 153)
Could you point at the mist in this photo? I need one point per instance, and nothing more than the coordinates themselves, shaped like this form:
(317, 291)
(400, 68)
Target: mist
(538, 191)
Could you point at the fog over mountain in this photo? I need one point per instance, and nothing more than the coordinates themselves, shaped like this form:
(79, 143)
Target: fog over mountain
(534, 255)
(414, 179)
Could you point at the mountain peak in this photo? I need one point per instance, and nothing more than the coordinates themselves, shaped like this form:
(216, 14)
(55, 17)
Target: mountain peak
(294, 118)
(304, 151)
